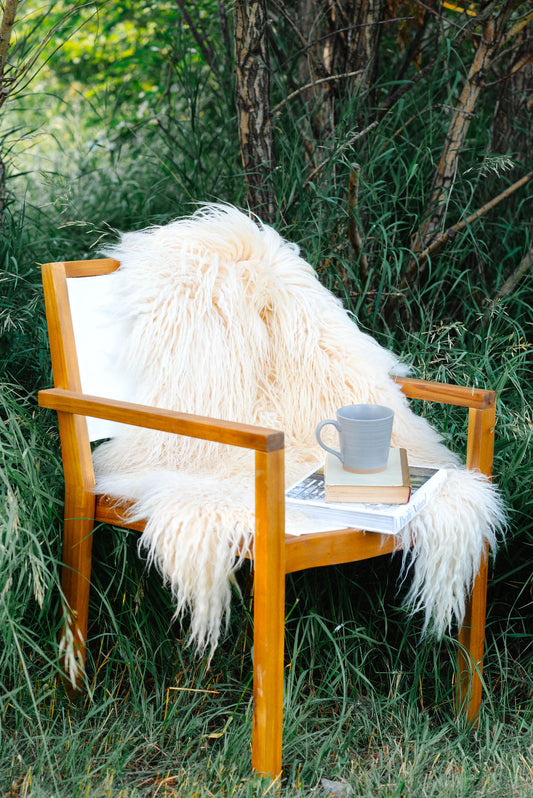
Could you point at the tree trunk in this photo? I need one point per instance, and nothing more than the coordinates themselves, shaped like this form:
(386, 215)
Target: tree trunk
(2, 190)
(252, 90)
(358, 22)
(446, 170)
(432, 234)
(6, 27)
(492, 40)
(514, 106)
(314, 67)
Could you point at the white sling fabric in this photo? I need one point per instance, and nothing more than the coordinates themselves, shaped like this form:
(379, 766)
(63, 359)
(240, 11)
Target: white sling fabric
(99, 334)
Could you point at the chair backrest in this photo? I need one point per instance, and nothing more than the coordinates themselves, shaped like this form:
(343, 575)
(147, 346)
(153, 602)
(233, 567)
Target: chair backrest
(91, 334)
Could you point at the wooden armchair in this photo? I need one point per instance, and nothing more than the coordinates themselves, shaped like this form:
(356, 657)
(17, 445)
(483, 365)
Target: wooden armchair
(276, 554)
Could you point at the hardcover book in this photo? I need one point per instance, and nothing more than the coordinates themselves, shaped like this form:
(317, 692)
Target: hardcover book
(308, 498)
(390, 486)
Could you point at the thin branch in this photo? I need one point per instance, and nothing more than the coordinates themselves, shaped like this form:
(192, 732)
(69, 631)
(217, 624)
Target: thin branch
(516, 28)
(335, 152)
(522, 62)
(416, 117)
(512, 281)
(399, 92)
(444, 176)
(310, 85)
(456, 228)
(319, 65)
(354, 231)
(464, 30)
(201, 38)
(355, 26)
(509, 285)
(23, 71)
(223, 19)
(414, 47)
(462, 27)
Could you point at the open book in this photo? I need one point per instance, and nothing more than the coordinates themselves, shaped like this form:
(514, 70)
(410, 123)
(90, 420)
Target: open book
(308, 498)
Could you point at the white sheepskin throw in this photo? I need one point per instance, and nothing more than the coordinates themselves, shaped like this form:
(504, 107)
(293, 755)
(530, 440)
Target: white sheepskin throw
(225, 319)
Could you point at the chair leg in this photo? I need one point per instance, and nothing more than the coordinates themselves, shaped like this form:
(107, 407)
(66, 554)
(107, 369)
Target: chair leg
(472, 643)
(269, 615)
(75, 582)
(268, 682)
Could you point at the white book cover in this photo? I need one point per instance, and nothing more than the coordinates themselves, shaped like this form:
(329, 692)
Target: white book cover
(307, 497)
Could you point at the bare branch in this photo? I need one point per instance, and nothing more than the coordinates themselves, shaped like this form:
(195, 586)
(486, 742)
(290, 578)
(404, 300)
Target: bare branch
(512, 281)
(23, 70)
(517, 28)
(456, 228)
(354, 231)
(311, 85)
(457, 131)
(335, 152)
(200, 37)
(318, 65)
(522, 62)
(223, 19)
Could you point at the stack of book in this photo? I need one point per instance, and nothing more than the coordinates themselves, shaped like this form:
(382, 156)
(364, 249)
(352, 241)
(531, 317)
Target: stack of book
(380, 502)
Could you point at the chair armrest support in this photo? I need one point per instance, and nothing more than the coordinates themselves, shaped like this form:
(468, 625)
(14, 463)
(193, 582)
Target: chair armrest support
(459, 395)
(260, 439)
(481, 405)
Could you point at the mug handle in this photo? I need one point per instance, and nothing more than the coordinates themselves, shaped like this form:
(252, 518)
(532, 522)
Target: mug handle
(336, 452)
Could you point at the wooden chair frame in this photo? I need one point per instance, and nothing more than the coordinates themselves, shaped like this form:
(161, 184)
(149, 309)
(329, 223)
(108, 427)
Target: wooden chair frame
(276, 554)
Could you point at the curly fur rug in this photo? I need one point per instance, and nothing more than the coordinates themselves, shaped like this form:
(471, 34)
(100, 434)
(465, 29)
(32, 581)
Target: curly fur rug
(224, 318)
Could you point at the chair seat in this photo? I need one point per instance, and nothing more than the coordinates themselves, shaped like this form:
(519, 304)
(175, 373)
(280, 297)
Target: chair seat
(301, 551)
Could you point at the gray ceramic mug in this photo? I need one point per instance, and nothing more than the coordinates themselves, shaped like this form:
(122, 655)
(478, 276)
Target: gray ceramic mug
(364, 436)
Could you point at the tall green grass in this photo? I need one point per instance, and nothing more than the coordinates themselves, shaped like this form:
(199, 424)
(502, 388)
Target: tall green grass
(367, 706)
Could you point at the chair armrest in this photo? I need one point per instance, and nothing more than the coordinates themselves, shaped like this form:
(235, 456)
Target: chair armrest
(260, 439)
(459, 395)
(481, 405)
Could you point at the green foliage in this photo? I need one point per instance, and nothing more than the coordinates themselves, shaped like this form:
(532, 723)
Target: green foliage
(121, 148)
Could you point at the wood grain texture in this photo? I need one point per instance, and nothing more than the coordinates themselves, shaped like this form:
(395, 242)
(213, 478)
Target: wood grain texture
(480, 445)
(458, 395)
(90, 268)
(269, 612)
(244, 435)
(471, 637)
(76, 574)
(77, 467)
(334, 548)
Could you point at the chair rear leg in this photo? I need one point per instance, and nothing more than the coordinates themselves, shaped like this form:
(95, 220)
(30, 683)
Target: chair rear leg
(75, 582)
(480, 452)
(472, 642)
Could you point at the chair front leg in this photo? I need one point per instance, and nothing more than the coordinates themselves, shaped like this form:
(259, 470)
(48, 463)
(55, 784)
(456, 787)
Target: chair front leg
(269, 614)
(75, 581)
(472, 643)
